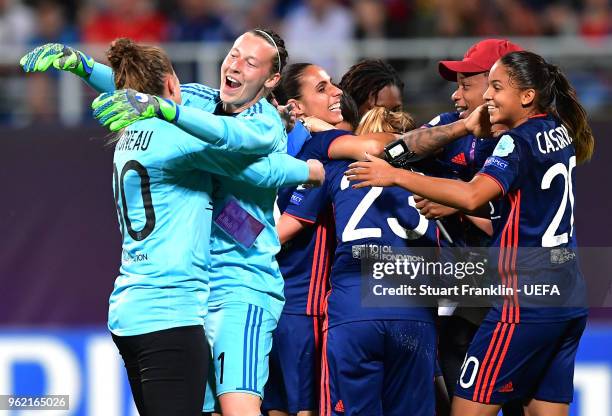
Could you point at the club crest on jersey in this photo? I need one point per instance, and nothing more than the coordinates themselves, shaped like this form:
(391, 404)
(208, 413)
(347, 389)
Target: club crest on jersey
(504, 147)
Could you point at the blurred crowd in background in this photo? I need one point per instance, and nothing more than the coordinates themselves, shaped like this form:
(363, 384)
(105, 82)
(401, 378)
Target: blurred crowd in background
(27, 23)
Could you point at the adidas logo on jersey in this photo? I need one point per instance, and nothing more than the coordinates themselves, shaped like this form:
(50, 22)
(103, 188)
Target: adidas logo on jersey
(507, 388)
(339, 407)
(459, 159)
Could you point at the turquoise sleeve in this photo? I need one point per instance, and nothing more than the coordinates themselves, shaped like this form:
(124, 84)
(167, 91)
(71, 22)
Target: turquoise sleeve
(272, 171)
(255, 134)
(287, 170)
(101, 78)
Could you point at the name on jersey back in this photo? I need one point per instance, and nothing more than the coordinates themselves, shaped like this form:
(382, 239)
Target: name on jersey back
(553, 139)
(132, 140)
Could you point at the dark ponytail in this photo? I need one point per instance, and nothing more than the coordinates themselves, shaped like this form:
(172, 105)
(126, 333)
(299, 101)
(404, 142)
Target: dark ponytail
(139, 67)
(290, 85)
(554, 95)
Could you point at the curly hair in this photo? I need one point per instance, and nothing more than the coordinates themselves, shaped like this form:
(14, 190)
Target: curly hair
(369, 77)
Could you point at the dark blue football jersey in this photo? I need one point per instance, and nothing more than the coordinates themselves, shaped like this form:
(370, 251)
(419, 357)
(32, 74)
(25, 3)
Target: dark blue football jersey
(305, 261)
(369, 217)
(460, 159)
(533, 165)
(464, 157)
(363, 218)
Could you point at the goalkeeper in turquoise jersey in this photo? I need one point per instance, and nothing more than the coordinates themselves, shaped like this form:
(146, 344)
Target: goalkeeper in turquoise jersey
(246, 286)
(162, 188)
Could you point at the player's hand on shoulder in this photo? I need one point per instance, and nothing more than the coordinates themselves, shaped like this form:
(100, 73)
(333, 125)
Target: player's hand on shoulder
(316, 173)
(315, 125)
(61, 56)
(118, 109)
(287, 115)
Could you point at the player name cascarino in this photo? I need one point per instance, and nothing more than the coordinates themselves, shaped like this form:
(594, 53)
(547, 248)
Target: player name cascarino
(134, 140)
(553, 140)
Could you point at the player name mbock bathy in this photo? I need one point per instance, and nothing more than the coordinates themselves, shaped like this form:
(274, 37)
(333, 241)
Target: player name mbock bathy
(467, 290)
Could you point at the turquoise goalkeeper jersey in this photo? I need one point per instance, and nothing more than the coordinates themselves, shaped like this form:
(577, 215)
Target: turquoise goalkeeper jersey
(162, 186)
(239, 271)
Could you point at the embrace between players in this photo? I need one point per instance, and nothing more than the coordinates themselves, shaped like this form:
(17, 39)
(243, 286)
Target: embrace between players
(198, 201)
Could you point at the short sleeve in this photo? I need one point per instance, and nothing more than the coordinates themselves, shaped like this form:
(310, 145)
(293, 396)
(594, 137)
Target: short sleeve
(307, 204)
(504, 165)
(318, 146)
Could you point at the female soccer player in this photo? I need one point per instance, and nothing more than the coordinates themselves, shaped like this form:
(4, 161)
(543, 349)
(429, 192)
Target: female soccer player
(462, 159)
(163, 194)
(520, 351)
(305, 261)
(373, 83)
(246, 294)
(367, 368)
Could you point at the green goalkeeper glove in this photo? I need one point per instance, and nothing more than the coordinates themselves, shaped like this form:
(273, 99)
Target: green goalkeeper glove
(120, 108)
(62, 57)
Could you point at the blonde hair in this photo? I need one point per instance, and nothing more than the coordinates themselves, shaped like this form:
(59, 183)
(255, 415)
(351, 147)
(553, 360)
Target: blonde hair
(381, 120)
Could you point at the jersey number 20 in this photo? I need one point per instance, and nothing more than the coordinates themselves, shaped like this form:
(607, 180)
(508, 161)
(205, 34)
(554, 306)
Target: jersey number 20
(550, 239)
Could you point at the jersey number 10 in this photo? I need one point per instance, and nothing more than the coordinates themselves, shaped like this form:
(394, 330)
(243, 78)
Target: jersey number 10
(147, 201)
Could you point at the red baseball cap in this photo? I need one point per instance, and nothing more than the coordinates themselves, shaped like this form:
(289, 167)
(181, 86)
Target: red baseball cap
(479, 58)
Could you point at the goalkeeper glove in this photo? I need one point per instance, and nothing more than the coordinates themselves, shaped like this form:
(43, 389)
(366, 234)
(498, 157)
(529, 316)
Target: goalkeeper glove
(62, 57)
(120, 108)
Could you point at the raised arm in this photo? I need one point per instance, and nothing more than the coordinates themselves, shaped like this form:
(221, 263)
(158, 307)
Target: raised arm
(351, 146)
(256, 132)
(65, 58)
(425, 141)
(101, 78)
(272, 171)
(355, 147)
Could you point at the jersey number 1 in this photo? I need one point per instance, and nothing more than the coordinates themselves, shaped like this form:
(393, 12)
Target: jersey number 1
(147, 200)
